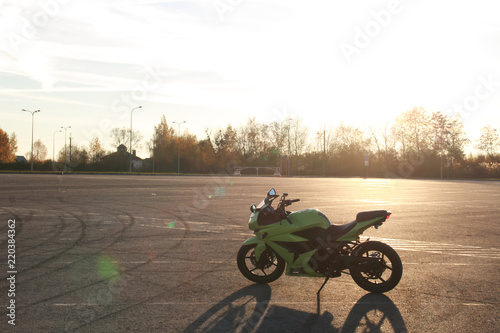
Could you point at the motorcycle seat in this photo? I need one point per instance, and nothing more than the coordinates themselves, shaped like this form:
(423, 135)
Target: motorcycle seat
(336, 230)
(365, 216)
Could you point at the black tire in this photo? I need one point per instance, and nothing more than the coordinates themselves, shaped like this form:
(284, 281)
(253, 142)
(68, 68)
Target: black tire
(382, 276)
(269, 268)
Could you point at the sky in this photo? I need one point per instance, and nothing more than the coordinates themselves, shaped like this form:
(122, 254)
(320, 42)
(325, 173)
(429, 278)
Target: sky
(88, 63)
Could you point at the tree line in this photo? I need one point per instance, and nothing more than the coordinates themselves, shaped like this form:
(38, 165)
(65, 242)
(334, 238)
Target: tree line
(416, 144)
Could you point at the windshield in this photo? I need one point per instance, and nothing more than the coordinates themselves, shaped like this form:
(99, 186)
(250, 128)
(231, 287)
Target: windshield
(263, 203)
(271, 193)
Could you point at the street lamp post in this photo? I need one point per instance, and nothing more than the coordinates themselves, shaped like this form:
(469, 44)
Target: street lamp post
(65, 129)
(179, 142)
(130, 152)
(54, 147)
(288, 157)
(281, 150)
(324, 149)
(32, 126)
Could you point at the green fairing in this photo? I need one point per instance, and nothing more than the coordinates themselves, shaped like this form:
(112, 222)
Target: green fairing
(302, 262)
(259, 250)
(252, 240)
(309, 218)
(282, 231)
(302, 219)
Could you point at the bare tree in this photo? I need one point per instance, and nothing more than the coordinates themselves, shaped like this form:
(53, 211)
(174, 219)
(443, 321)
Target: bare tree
(489, 140)
(349, 140)
(455, 139)
(121, 136)
(39, 151)
(277, 136)
(299, 134)
(413, 130)
(251, 139)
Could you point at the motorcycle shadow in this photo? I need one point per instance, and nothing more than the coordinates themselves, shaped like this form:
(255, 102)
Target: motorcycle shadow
(248, 310)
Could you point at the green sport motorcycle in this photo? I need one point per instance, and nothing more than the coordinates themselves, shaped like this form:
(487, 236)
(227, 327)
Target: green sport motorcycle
(311, 246)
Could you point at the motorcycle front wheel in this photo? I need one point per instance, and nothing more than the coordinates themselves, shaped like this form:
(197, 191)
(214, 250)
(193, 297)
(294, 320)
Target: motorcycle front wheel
(269, 267)
(380, 275)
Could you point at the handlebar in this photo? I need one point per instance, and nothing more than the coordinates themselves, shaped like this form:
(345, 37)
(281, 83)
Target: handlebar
(289, 202)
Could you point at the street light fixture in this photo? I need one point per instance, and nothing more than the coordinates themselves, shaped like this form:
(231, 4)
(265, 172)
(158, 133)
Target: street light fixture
(179, 141)
(32, 125)
(54, 147)
(65, 129)
(130, 152)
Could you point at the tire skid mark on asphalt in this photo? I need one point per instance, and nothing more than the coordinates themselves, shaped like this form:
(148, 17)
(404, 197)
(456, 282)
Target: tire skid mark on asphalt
(31, 250)
(440, 248)
(130, 270)
(24, 248)
(129, 306)
(19, 220)
(123, 271)
(32, 267)
(53, 257)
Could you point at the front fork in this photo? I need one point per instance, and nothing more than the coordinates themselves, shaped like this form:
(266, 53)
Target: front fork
(259, 249)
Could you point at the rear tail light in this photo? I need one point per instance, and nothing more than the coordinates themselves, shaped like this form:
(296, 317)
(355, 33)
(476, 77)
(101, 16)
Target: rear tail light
(388, 215)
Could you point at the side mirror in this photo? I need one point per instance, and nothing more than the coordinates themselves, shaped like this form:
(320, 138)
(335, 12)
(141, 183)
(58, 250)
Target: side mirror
(272, 192)
(253, 209)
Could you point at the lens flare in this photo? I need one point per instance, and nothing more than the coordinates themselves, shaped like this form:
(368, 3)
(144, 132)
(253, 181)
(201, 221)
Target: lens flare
(107, 268)
(220, 191)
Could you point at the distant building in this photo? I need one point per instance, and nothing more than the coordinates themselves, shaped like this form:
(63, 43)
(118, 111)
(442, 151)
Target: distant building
(120, 160)
(121, 149)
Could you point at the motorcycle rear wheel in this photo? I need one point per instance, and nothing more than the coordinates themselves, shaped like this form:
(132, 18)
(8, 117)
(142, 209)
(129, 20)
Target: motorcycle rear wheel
(269, 268)
(381, 276)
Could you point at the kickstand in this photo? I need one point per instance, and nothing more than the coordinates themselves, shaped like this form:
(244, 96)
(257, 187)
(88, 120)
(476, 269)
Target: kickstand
(317, 294)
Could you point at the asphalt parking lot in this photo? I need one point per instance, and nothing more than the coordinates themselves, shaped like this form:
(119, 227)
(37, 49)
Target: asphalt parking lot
(115, 253)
